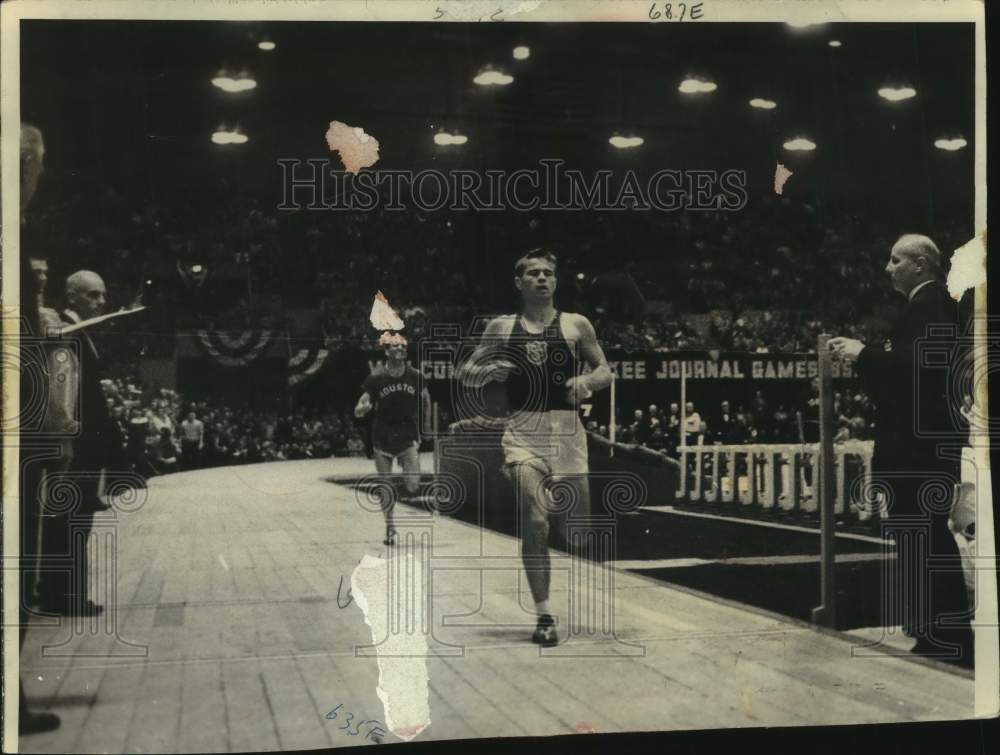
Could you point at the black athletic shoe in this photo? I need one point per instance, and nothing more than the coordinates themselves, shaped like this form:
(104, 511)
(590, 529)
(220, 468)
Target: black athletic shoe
(545, 632)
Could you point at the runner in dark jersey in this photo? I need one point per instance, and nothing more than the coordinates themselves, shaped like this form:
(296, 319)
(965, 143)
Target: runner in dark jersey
(540, 354)
(394, 391)
(547, 363)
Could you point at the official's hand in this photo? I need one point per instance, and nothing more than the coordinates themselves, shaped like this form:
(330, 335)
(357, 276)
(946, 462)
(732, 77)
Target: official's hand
(846, 347)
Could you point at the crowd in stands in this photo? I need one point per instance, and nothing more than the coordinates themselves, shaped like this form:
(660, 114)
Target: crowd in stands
(661, 429)
(655, 333)
(162, 433)
(767, 278)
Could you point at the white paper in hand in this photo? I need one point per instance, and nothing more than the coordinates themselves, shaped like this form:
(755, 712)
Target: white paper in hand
(384, 317)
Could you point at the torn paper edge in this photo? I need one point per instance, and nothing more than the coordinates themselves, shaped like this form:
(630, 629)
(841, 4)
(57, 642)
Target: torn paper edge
(403, 679)
(968, 266)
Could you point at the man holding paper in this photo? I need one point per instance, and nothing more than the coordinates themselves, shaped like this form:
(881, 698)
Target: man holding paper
(77, 396)
(912, 461)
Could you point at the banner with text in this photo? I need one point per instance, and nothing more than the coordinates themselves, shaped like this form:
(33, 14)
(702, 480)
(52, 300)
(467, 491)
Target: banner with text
(644, 378)
(661, 366)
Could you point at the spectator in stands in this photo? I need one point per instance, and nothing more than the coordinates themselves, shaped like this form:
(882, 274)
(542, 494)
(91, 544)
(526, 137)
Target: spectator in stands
(653, 412)
(192, 441)
(137, 432)
(859, 428)
(722, 425)
(692, 424)
(623, 434)
(117, 412)
(163, 451)
(672, 426)
(743, 430)
(221, 447)
(355, 445)
(640, 428)
(657, 439)
(782, 428)
(159, 417)
(761, 418)
(807, 417)
(250, 449)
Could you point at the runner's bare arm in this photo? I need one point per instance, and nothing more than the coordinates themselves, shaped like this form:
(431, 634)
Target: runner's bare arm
(426, 407)
(482, 366)
(600, 376)
(364, 405)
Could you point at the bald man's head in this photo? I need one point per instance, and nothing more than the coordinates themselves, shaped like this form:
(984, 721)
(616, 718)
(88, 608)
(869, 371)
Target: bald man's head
(85, 294)
(914, 259)
(916, 245)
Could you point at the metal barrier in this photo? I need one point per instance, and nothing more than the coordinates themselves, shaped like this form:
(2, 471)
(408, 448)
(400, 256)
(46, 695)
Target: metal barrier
(776, 476)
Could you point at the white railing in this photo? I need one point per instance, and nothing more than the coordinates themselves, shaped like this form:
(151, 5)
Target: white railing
(776, 476)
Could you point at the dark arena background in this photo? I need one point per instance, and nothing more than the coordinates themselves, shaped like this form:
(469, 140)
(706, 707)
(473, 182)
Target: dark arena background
(257, 310)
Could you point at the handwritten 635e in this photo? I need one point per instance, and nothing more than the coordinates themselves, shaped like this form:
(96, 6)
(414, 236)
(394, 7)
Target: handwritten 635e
(354, 729)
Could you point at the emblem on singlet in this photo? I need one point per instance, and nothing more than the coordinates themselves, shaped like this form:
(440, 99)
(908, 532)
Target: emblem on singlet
(537, 351)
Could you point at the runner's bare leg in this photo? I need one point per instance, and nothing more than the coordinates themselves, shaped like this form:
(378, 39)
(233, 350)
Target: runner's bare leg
(383, 467)
(529, 483)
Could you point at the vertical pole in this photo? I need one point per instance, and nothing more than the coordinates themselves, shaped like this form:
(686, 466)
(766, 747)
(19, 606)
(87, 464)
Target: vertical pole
(434, 430)
(716, 478)
(797, 479)
(698, 494)
(734, 473)
(770, 485)
(825, 614)
(682, 436)
(612, 423)
(868, 507)
(840, 465)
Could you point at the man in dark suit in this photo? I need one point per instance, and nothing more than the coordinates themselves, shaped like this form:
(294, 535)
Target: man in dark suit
(910, 463)
(31, 327)
(723, 424)
(66, 529)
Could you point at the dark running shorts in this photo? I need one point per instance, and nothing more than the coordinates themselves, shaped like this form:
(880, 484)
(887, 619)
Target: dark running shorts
(394, 439)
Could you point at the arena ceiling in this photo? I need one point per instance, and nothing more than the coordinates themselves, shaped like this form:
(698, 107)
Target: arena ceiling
(130, 104)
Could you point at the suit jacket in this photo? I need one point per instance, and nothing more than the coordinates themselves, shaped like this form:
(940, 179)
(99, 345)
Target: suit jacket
(910, 385)
(98, 436)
